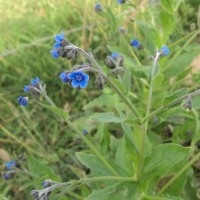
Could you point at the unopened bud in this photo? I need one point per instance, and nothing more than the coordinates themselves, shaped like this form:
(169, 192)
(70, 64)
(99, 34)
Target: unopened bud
(99, 82)
(188, 103)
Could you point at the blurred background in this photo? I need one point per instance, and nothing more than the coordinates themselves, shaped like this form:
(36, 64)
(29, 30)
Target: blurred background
(27, 30)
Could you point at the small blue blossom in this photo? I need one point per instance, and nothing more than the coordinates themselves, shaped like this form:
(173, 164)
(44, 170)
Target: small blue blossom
(84, 132)
(114, 55)
(135, 43)
(23, 101)
(26, 88)
(35, 81)
(121, 1)
(79, 79)
(164, 51)
(7, 175)
(98, 7)
(59, 38)
(10, 165)
(54, 53)
(63, 76)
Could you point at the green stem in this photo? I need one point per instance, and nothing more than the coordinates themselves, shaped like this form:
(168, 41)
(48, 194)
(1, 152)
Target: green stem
(145, 125)
(176, 101)
(194, 159)
(89, 144)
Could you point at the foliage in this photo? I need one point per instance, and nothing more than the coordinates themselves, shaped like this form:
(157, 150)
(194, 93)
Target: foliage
(140, 142)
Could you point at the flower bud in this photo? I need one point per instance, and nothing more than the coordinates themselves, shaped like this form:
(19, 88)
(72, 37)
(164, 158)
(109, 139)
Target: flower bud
(99, 82)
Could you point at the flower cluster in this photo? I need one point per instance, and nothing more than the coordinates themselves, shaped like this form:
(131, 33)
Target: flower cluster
(34, 88)
(77, 79)
(164, 51)
(10, 165)
(63, 48)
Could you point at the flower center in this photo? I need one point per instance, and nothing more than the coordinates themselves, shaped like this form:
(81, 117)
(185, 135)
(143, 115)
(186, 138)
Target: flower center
(79, 77)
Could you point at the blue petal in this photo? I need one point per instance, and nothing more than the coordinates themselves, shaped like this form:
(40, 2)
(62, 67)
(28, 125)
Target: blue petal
(75, 83)
(57, 45)
(26, 88)
(22, 101)
(54, 53)
(86, 77)
(35, 81)
(59, 38)
(72, 75)
(83, 84)
(64, 77)
(114, 55)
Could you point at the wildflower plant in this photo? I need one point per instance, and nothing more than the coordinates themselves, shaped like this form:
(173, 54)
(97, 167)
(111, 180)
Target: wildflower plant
(127, 156)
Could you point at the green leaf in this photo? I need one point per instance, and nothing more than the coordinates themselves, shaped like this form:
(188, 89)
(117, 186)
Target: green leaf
(126, 80)
(103, 100)
(167, 5)
(165, 161)
(177, 94)
(93, 163)
(106, 118)
(167, 23)
(58, 111)
(180, 63)
(163, 158)
(38, 168)
(119, 191)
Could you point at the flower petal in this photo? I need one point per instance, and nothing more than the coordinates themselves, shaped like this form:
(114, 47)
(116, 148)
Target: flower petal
(83, 84)
(54, 53)
(75, 83)
(72, 75)
(57, 45)
(86, 77)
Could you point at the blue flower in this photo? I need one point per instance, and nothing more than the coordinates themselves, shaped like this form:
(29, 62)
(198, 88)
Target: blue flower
(54, 53)
(164, 51)
(64, 77)
(84, 131)
(7, 175)
(114, 55)
(79, 79)
(26, 88)
(35, 81)
(10, 165)
(98, 7)
(135, 43)
(121, 1)
(59, 38)
(23, 101)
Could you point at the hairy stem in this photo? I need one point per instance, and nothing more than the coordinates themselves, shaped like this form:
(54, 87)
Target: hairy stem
(145, 125)
(173, 103)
